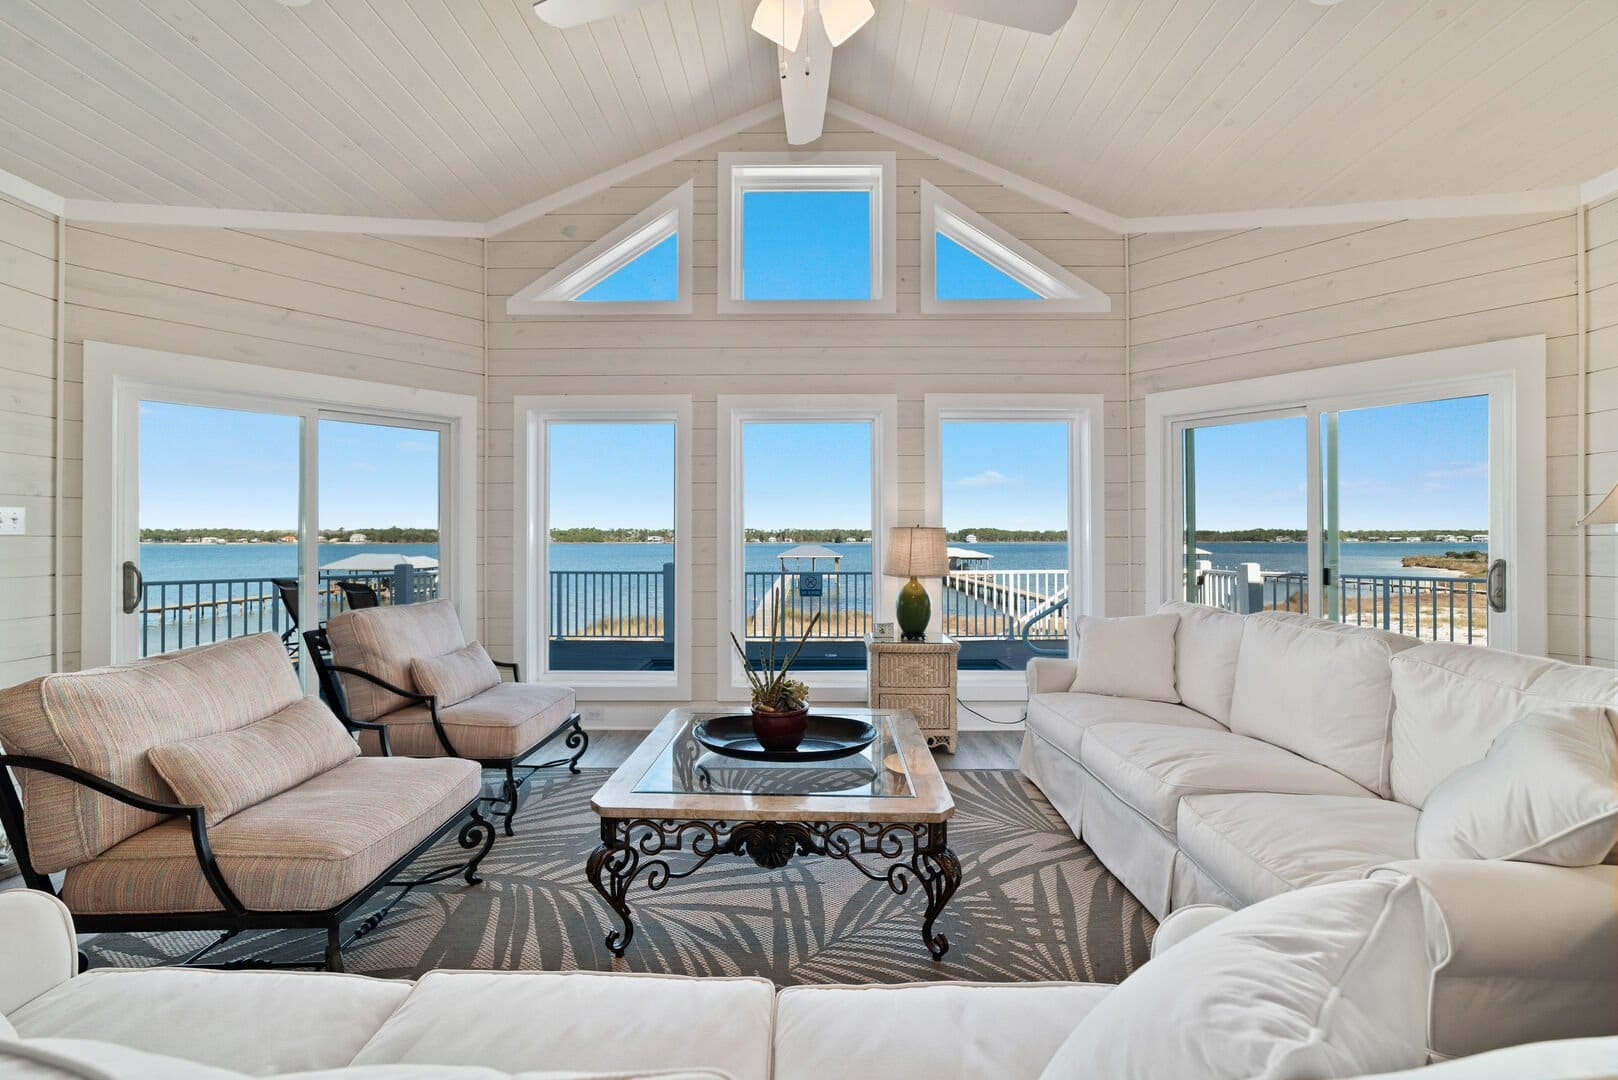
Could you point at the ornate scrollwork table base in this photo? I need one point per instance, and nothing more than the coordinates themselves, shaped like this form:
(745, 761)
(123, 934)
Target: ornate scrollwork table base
(898, 854)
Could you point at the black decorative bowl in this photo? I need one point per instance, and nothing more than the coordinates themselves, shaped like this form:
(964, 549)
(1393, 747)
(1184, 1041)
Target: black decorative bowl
(826, 738)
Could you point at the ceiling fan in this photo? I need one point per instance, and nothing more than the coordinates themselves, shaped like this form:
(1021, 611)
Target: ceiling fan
(806, 31)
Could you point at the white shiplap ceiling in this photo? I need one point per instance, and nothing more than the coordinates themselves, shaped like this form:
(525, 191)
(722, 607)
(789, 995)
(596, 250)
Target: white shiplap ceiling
(467, 109)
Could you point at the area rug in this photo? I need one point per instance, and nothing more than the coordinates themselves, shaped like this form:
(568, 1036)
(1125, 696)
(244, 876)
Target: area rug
(1034, 903)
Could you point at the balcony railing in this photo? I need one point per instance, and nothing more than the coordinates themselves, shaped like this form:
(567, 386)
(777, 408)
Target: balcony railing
(1429, 608)
(184, 614)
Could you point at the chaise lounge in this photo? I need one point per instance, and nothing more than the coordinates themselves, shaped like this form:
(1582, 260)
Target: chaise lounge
(202, 791)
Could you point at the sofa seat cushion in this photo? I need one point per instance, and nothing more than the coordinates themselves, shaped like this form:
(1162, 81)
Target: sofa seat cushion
(971, 1029)
(233, 770)
(306, 849)
(501, 722)
(1258, 845)
(1062, 719)
(105, 720)
(580, 1021)
(1151, 767)
(220, 1018)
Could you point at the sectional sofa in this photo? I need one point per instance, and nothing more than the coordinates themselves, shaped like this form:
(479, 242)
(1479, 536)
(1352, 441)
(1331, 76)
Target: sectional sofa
(1283, 752)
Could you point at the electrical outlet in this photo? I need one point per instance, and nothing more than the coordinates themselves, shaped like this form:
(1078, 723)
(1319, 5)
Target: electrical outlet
(13, 520)
(593, 717)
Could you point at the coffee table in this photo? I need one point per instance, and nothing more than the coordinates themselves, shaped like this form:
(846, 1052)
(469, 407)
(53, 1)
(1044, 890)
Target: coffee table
(674, 806)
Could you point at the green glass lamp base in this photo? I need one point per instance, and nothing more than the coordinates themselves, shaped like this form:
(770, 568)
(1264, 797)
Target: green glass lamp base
(914, 610)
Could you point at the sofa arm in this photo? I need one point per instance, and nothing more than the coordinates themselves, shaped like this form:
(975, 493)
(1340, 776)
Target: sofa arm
(1050, 675)
(1182, 922)
(1532, 951)
(38, 949)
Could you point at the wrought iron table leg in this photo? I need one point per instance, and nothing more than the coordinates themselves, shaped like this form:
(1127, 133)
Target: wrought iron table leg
(939, 872)
(334, 948)
(511, 797)
(611, 868)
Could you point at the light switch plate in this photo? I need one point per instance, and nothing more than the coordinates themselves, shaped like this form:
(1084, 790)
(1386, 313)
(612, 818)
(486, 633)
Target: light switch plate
(13, 520)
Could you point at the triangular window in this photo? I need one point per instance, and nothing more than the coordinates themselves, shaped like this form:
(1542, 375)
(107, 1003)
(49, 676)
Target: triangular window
(971, 264)
(641, 267)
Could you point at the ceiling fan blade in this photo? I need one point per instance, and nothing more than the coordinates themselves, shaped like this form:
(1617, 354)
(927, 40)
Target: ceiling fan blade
(781, 21)
(842, 17)
(1035, 16)
(806, 82)
(569, 13)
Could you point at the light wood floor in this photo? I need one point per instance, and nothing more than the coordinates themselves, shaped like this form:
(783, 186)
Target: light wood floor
(977, 750)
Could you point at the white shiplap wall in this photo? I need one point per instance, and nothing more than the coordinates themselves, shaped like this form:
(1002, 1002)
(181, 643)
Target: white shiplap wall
(27, 438)
(1601, 389)
(1213, 307)
(704, 355)
(392, 310)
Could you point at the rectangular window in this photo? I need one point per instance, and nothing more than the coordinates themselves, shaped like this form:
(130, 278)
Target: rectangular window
(1017, 482)
(807, 489)
(603, 548)
(807, 232)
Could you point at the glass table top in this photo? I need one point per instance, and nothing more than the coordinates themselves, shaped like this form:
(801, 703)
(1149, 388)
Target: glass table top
(686, 767)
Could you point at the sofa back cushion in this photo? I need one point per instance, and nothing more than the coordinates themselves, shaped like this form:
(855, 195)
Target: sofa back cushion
(105, 721)
(457, 676)
(1206, 648)
(1131, 656)
(1323, 982)
(383, 641)
(1546, 792)
(233, 770)
(1319, 689)
(1450, 701)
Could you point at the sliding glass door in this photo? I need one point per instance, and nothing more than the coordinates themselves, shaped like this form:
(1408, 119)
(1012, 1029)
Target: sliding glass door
(1384, 510)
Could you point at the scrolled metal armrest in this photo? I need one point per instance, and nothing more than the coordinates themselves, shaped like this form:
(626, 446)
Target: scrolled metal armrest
(380, 730)
(421, 699)
(511, 666)
(197, 815)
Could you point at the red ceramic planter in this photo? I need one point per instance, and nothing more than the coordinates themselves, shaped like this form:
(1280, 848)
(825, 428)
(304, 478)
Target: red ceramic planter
(780, 731)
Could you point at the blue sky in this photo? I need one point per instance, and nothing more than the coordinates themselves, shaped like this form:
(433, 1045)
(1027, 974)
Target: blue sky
(1419, 466)
(205, 468)
(612, 476)
(1005, 474)
(815, 475)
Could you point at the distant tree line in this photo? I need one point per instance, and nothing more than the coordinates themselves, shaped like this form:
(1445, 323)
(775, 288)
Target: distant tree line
(590, 535)
(1011, 536)
(392, 534)
(1267, 535)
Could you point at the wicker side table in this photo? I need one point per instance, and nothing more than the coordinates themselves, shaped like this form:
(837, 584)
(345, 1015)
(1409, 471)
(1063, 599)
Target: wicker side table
(918, 676)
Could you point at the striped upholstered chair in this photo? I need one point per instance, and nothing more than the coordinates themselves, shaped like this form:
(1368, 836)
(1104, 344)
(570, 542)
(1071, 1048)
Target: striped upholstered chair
(202, 791)
(408, 673)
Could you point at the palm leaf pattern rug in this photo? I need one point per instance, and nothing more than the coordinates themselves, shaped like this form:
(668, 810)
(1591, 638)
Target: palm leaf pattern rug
(1034, 903)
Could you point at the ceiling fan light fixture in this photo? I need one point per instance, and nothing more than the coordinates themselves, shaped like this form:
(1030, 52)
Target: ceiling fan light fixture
(842, 18)
(781, 21)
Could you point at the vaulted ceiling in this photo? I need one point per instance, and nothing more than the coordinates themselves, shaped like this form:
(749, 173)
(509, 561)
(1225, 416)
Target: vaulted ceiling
(466, 109)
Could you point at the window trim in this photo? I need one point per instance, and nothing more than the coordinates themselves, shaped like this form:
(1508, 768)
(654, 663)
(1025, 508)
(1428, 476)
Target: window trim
(118, 377)
(532, 415)
(881, 411)
(826, 170)
(1511, 372)
(1085, 415)
(557, 292)
(1061, 292)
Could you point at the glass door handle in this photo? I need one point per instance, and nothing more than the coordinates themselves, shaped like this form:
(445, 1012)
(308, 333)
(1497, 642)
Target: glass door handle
(134, 586)
(1497, 585)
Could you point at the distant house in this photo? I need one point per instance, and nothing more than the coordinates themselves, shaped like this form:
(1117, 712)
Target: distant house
(357, 538)
(971, 538)
(287, 539)
(654, 539)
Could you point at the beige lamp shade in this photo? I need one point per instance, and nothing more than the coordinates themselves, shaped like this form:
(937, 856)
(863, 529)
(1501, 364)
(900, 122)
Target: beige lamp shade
(1606, 511)
(918, 551)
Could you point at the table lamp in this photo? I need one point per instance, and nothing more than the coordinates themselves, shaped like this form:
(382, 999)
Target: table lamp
(915, 552)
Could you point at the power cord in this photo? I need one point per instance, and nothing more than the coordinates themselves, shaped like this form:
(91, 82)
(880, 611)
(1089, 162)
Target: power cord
(990, 719)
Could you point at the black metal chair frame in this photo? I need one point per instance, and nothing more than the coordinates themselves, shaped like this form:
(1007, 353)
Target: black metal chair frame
(318, 646)
(361, 590)
(476, 831)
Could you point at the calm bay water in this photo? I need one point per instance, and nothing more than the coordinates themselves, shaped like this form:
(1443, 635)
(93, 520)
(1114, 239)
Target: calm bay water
(190, 562)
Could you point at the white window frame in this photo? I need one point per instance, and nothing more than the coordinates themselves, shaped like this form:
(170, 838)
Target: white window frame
(1511, 372)
(118, 377)
(558, 292)
(881, 411)
(1061, 292)
(533, 414)
(1085, 417)
(872, 172)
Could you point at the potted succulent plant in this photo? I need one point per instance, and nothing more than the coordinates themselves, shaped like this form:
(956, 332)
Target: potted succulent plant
(780, 703)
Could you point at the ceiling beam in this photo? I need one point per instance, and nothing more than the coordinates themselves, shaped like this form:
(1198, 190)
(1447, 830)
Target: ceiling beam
(27, 192)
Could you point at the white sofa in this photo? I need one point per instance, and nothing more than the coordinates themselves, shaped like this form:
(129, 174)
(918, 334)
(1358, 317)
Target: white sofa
(1354, 960)
(1302, 752)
